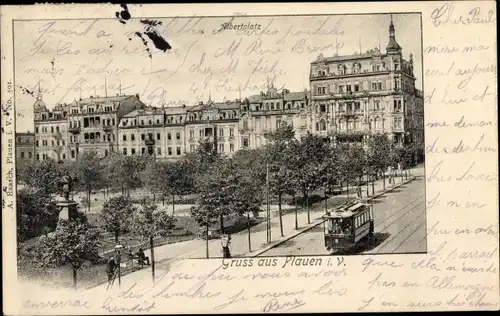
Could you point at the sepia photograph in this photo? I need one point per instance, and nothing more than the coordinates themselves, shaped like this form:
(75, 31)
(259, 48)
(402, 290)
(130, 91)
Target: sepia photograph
(142, 141)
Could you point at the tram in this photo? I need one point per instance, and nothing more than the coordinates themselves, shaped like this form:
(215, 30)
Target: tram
(346, 225)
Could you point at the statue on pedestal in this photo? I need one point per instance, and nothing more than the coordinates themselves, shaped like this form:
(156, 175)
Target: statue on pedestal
(68, 208)
(67, 185)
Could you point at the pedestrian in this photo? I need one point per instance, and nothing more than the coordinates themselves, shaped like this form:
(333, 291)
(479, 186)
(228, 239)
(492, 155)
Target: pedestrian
(110, 270)
(143, 260)
(226, 253)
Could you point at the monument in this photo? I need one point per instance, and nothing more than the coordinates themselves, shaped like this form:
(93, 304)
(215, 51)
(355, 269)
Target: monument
(68, 209)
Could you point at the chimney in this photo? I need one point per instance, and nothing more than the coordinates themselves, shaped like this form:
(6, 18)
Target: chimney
(183, 106)
(91, 97)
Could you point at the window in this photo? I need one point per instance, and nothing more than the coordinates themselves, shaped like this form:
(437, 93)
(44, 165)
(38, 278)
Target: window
(322, 125)
(63, 143)
(191, 133)
(157, 121)
(396, 84)
(170, 151)
(221, 132)
(169, 136)
(349, 88)
(178, 135)
(396, 66)
(357, 125)
(178, 151)
(357, 106)
(397, 105)
(158, 136)
(57, 129)
(142, 122)
(231, 132)
(124, 151)
(158, 151)
(53, 144)
(322, 108)
(150, 122)
(341, 89)
(143, 150)
(52, 129)
(143, 137)
(22, 154)
(36, 129)
(356, 87)
(132, 137)
(341, 69)
(201, 133)
(133, 151)
(246, 142)
(37, 143)
(30, 155)
(231, 147)
(377, 104)
(321, 90)
(124, 137)
(37, 156)
(221, 148)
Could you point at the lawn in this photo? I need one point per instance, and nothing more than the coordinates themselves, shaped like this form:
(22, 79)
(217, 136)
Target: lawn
(94, 274)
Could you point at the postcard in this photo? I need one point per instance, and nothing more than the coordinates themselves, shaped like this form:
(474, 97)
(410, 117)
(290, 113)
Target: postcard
(259, 158)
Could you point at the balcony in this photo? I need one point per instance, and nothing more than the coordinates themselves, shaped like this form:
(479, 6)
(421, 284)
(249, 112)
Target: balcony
(350, 113)
(107, 128)
(74, 130)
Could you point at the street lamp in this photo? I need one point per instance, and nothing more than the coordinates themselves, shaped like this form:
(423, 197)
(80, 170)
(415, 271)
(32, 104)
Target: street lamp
(118, 261)
(225, 240)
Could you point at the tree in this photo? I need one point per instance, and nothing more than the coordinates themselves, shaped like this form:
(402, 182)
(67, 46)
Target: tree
(312, 151)
(150, 222)
(131, 170)
(73, 243)
(202, 158)
(41, 176)
(153, 176)
(90, 173)
(246, 198)
(253, 163)
(116, 215)
(278, 153)
(216, 189)
(352, 164)
(36, 213)
(179, 180)
(330, 170)
(378, 154)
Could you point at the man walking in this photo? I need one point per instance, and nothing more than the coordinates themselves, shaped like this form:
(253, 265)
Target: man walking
(110, 270)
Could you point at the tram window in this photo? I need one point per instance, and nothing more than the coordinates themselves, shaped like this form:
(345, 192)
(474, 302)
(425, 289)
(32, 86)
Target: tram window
(340, 226)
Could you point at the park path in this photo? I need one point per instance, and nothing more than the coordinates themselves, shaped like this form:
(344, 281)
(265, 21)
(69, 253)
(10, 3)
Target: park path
(239, 242)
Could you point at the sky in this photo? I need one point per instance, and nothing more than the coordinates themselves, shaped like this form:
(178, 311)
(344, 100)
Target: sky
(67, 59)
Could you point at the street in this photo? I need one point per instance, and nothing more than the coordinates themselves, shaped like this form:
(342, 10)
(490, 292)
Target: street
(400, 227)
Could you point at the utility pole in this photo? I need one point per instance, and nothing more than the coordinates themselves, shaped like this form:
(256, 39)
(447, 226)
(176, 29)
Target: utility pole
(268, 209)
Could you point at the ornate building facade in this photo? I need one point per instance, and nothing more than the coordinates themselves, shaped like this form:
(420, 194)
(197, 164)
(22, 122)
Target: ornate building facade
(359, 95)
(25, 148)
(350, 98)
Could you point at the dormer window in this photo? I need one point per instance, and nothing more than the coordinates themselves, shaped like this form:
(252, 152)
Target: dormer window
(341, 69)
(356, 68)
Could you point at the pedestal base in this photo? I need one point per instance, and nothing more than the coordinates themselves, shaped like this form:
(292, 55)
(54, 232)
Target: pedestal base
(67, 209)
